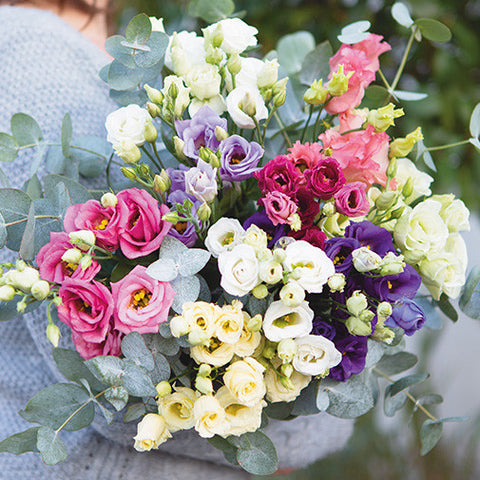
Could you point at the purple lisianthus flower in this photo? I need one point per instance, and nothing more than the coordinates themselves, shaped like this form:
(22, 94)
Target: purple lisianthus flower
(239, 158)
(369, 235)
(325, 329)
(339, 251)
(200, 182)
(408, 315)
(394, 287)
(177, 177)
(183, 231)
(354, 351)
(200, 131)
(261, 220)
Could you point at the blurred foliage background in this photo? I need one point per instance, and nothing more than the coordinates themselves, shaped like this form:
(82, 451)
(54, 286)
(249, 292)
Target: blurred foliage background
(375, 452)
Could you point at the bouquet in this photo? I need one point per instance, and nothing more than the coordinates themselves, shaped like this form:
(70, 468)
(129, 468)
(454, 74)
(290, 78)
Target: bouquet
(270, 251)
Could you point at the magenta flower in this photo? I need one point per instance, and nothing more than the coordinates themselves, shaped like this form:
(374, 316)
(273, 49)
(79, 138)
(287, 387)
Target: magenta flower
(325, 179)
(351, 200)
(141, 302)
(279, 207)
(110, 346)
(280, 175)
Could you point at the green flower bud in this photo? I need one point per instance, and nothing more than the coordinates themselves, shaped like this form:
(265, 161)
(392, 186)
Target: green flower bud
(407, 189)
(336, 282)
(153, 94)
(204, 212)
(21, 306)
(153, 110)
(286, 349)
(150, 132)
(162, 182)
(128, 152)
(366, 316)
(204, 153)
(220, 133)
(401, 147)
(234, 64)
(72, 255)
(129, 172)
(384, 309)
(248, 105)
(163, 389)
(179, 326)
(386, 200)
(53, 334)
(356, 327)
(254, 324)
(269, 350)
(40, 290)
(179, 144)
(286, 369)
(398, 212)
(171, 217)
(22, 280)
(7, 292)
(357, 303)
(198, 337)
(204, 385)
(214, 161)
(20, 265)
(384, 117)
(317, 94)
(86, 262)
(329, 209)
(279, 99)
(260, 291)
(287, 383)
(204, 370)
(392, 168)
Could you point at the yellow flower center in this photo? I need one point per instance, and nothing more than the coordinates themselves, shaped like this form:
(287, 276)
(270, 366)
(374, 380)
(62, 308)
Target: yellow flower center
(140, 299)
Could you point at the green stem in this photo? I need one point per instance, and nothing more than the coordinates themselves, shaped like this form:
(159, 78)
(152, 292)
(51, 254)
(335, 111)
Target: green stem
(150, 156)
(158, 156)
(304, 131)
(283, 127)
(25, 219)
(384, 80)
(257, 129)
(448, 145)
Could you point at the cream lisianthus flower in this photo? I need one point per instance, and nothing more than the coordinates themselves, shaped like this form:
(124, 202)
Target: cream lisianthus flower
(240, 418)
(237, 35)
(277, 392)
(244, 380)
(151, 432)
(201, 315)
(229, 323)
(256, 238)
(216, 353)
(204, 81)
(248, 342)
(420, 181)
(243, 103)
(315, 355)
(223, 235)
(184, 51)
(182, 98)
(454, 212)
(271, 272)
(210, 417)
(127, 124)
(177, 408)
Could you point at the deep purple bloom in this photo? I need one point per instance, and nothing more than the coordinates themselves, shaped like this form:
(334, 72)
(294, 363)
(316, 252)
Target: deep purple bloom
(394, 287)
(177, 177)
(200, 131)
(351, 200)
(407, 315)
(325, 178)
(261, 220)
(339, 250)
(325, 329)
(183, 231)
(239, 158)
(279, 174)
(369, 235)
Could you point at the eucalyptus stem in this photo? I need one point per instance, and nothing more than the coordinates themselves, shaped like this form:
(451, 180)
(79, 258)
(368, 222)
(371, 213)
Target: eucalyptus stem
(23, 220)
(257, 129)
(384, 80)
(448, 145)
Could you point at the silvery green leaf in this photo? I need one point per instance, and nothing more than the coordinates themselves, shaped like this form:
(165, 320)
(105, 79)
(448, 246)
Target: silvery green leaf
(25, 130)
(172, 248)
(434, 30)
(371, 380)
(401, 15)
(391, 404)
(474, 122)
(475, 142)
(374, 353)
(192, 261)
(117, 396)
(469, 301)
(78, 193)
(55, 162)
(114, 46)
(91, 164)
(135, 350)
(315, 65)
(163, 269)
(256, 454)
(122, 78)
(161, 370)
(229, 451)
(349, 399)
(139, 29)
(137, 382)
(14, 207)
(51, 447)
(159, 344)
(127, 97)
(186, 289)
(292, 50)
(393, 364)
(204, 294)
(430, 434)
(377, 93)
(53, 405)
(134, 412)
(3, 232)
(409, 96)
(66, 134)
(211, 11)
(108, 415)
(20, 442)
(4, 181)
(178, 368)
(33, 188)
(428, 399)
(306, 402)
(27, 245)
(352, 38)
(323, 400)
(8, 148)
(107, 369)
(279, 410)
(355, 32)
(157, 46)
(38, 157)
(164, 330)
(447, 308)
(453, 419)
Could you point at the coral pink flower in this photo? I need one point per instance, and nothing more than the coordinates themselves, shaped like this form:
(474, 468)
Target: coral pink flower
(51, 266)
(279, 207)
(305, 155)
(141, 302)
(86, 308)
(110, 346)
(91, 215)
(140, 225)
(351, 200)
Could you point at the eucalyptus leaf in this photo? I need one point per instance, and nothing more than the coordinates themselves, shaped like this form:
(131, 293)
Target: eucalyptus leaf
(349, 399)
(323, 400)
(279, 410)
(374, 353)
(475, 142)
(3, 231)
(107, 369)
(4, 181)
(122, 78)
(172, 248)
(8, 148)
(430, 434)
(51, 447)
(211, 11)
(434, 30)
(229, 450)
(14, 207)
(134, 412)
(315, 65)
(192, 261)
(186, 289)
(469, 301)
(137, 381)
(161, 369)
(292, 50)
(393, 364)
(306, 402)
(77, 192)
(27, 245)
(391, 404)
(33, 188)
(163, 270)
(135, 350)
(157, 44)
(377, 93)
(25, 129)
(127, 97)
(428, 160)
(401, 15)
(355, 32)
(409, 96)
(55, 162)
(66, 134)
(256, 454)
(139, 29)
(124, 55)
(474, 123)
(429, 399)
(91, 153)
(158, 344)
(447, 308)
(117, 396)
(108, 414)
(22, 442)
(407, 382)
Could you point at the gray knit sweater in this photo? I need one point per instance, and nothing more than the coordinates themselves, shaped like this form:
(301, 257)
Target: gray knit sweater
(48, 69)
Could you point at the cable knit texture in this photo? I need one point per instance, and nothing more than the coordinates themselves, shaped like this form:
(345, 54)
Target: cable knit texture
(49, 69)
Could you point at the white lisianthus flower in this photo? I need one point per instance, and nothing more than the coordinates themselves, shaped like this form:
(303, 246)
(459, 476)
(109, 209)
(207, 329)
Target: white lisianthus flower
(151, 432)
(281, 321)
(268, 75)
(248, 341)
(204, 81)
(239, 269)
(184, 51)
(157, 24)
(216, 103)
(310, 264)
(229, 323)
(177, 408)
(421, 231)
(454, 212)
(247, 76)
(240, 418)
(292, 294)
(223, 235)
(366, 260)
(215, 353)
(200, 315)
(271, 272)
(315, 355)
(244, 380)
(182, 99)
(243, 101)
(277, 392)
(421, 181)
(210, 418)
(256, 238)
(237, 35)
(127, 124)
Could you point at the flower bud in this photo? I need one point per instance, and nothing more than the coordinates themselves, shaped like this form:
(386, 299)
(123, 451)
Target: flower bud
(386, 200)
(329, 209)
(204, 212)
(269, 350)
(248, 104)
(86, 262)
(53, 334)
(357, 303)
(220, 133)
(336, 282)
(153, 110)
(279, 255)
(153, 94)
(23, 280)
(286, 369)
(280, 86)
(129, 172)
(128, 152)
(292, 294)
(392, 167)
(383, 334)
(254, 324)
(72, 255)
(21, 306)
(172, 91)
(204, 154)
(20, 265)
(264, 255)
(160, 185)
(268, 74)
(366, 316)
(83, 239)
(398, 212)
(366, 260)
(286, 349)
(150, 132)
(204, 370)
(216, 37)
(391, 269)
(234, 64)
(179, 145)
(171, 217)
(198, 337)
(204, 385)
(407, 189)
(109, 200)
(40, 290)
(384, 309)
(179, 326)
(214, 56)
(338, 84)
(287, 383)
(317, 94)
(279, 99)
(384, 117)
(260, 291)
(7, 292)
(401, 147)
(356, 327)
(57, 301)
(163, 389)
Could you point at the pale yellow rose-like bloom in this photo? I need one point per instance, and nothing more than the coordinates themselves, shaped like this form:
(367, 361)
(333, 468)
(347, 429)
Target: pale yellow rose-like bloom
(216, 353)
(229, 323)
(256, 238)
(244, 380)
(204, 81)
(454, 212)
(177, 409)
(421, 181)
(334, 225)
(151, 432)
(248, 342)
(210, 417)
(277, 392)
(201, 315)
(240, 418)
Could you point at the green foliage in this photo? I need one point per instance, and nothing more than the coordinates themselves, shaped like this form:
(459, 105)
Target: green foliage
(25, 130)
(469, 301)
(8, 148)
(211, 10)
(21, 442)
(292, 50)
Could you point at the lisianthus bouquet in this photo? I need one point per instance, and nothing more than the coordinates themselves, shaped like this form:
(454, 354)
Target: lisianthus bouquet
(271, 249)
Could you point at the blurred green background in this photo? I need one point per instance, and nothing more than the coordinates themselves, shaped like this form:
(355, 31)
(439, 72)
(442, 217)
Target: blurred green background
(389, 450)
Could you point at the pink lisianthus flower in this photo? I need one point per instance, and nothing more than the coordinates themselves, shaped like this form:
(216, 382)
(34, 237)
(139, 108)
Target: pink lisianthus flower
(351, 200)
(110, 346)
(325, 178)
(279, 207)
(361, 59)
(141, 302)
(87, 308)
(305, 156)
(308, 207)
(53, 269)
(312, 234)
(279, 174)
(140, 225)
(91, 215)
